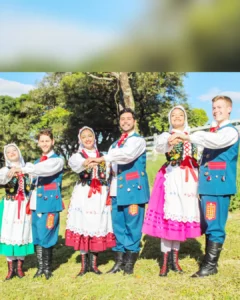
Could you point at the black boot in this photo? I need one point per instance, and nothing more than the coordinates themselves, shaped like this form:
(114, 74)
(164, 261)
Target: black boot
(209, 264)
(39, 253)
(206, 243)
(11, 269)
(164, 264)
(93, 263)
(84, 267)
(174, 261)
(130, 260)
(47, 262)
(119, 263)
(19, 270)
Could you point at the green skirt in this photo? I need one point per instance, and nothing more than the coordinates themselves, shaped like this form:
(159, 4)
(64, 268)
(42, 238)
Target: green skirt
(13, 250)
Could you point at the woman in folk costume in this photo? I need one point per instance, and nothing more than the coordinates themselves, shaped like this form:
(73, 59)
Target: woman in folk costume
(15, 223)
(173, 211)
(89, 223)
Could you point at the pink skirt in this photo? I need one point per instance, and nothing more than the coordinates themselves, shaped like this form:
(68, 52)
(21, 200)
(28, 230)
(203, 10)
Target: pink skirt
(156, 225)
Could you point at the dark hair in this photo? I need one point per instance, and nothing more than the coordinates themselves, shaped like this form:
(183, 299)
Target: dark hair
(127, 110)
(45, 131)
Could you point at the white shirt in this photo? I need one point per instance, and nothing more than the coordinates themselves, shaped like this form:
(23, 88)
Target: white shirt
(45, 168)
(3, 176)
(132, 149)
(216, 140)
(76, 160)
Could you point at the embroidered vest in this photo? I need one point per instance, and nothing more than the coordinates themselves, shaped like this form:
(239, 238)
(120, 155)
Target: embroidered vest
(175, 156)
(11, 187)
(49, 197)
(86, 176)
(132, 180)
(218, 170)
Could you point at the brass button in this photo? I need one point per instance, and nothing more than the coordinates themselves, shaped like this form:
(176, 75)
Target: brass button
(120, 178)
(39, 195)
(120, 186)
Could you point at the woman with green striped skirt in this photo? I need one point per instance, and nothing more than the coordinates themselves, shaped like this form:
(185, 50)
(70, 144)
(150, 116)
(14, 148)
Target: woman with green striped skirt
(15, 218)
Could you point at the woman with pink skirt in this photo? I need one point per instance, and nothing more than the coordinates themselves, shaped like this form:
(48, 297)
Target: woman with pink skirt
(173, 210)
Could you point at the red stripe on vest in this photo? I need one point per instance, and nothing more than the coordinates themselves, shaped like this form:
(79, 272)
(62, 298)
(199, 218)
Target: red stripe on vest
(215, 165)
(50, 186)
(133, 175)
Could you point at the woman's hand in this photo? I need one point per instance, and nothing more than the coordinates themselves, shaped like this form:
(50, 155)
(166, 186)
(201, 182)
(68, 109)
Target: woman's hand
(11, 172)
(92, 165)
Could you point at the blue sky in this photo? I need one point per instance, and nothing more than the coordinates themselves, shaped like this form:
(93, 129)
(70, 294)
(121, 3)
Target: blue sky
(102, 13)
(199, 87)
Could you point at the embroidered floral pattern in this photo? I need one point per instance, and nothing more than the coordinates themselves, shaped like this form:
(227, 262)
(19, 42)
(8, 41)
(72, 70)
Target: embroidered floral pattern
(12, 186)
(86, 176)
(175, 156)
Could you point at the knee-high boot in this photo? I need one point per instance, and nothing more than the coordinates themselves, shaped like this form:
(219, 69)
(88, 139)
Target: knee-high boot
(11, 269)
(93, 263)
(174, 261)
(119, 263)
(84, 266)
(164, 264)
(130, 260)
(47, 262)
(19, 270)
(39, 253)
(209, 264)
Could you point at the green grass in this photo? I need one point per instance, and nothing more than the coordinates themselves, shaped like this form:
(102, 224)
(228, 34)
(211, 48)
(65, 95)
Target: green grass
(145, 283)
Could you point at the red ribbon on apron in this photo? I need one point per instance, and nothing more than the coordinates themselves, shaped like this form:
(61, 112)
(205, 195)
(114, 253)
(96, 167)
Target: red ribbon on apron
(20, 193)
(95, 187)
(188, 164)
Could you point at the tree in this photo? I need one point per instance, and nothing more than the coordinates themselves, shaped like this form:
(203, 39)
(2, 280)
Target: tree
(67, 101)
(197, 117)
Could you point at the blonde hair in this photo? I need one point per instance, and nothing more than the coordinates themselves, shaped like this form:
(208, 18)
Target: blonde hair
(227, 99)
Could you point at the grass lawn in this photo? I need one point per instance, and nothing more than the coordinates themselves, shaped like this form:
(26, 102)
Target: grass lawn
(144, 284)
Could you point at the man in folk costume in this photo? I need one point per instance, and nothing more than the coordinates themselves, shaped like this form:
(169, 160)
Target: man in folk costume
(129, 192)
(217, 179)
(46, 201)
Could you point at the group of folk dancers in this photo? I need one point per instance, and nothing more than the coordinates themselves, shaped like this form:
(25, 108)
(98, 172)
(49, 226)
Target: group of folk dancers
(107, 207)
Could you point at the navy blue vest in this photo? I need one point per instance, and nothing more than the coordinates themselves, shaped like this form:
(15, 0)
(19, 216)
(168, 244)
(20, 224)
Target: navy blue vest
(218, 170)
(49, 197)
(132, 180)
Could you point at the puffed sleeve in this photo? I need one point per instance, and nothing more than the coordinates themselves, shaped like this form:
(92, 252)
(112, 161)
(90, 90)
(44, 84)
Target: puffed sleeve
(76, 163)
(3, 176)
(161, 143)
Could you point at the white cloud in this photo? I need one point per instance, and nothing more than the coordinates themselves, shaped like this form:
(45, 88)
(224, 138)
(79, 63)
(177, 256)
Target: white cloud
(13, 88)
(39, 37)
(235, 96)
